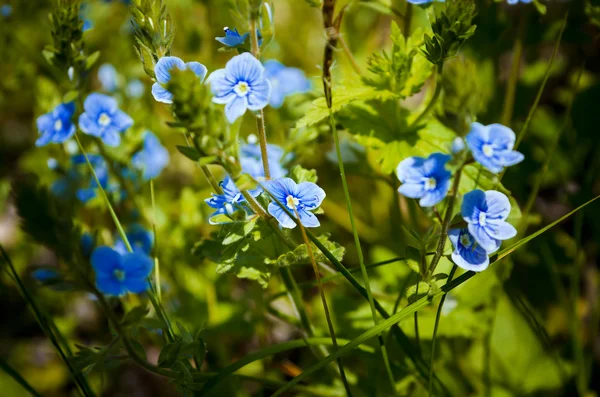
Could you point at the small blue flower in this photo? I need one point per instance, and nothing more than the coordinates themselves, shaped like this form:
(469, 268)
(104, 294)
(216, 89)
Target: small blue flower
(486, 214)
(467, 253)
(163, 75)
(425, 178)
(118, 274)
(458, 145)
(230, 201)
(141, 240)
(152, 158)
(101, 170)
(251, 160)
(87, 23)
(56, 126)
(103, 119)
(492, 146)
(6, 10)
(284, 81)
(513, 2)
(232, 37)
(135, 89)
(419, 2)
(107, 74)
(240, 86)
(303, 197)
(45, 274)
(87, 243)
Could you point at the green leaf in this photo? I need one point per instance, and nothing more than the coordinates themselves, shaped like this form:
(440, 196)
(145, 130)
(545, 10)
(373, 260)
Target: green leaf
(168, 355)
(413, 259)
(91, 60)
(139, 349)
(189, 152)
(134, 316)
(299, 256)
(300, 174)
(252, 273)
(236, 231)
(414, 294)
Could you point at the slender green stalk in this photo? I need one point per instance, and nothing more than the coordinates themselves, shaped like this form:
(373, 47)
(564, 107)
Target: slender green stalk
(211, 179)
(408, 11)
(13, 373)
(578, 355)
(511, 84)
(416, 322)
(324, 301)
(156, 261)
(435, 328)
(349, 54)
(434, 98)
(48, 327)
(361, 259)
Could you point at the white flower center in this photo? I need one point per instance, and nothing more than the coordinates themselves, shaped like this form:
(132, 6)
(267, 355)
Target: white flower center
(488, 150)
(430, 183)
(242, 88)
(292, 202)
(466, 240)
(229, 208)
(482, 219)
(104, 119)
(58, 125)
(237, 197)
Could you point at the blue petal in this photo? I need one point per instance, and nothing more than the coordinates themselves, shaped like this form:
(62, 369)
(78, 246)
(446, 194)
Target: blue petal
(107, 74)
(473, 203)
(479, 233)
(235, 109)
(198, 69)
(85, 195)
(308, 219)
(161, 94)
(89, 125)
(136, 286)
(281, 188)
(221, 86)
(137, 265)
(497, 205)
(95, 104)
(411, 170)
(501, 136)
(310, 195)
(281, 216)
(111, 137)
(432, 197)
(501, 230)
(163, 67)
(105, 260)
(412, 190)
(435, 165)
(64, 134)
(110, 285)
(244, 67)
(121, 120)
(476, 260)
(511, 157)
(259, 95)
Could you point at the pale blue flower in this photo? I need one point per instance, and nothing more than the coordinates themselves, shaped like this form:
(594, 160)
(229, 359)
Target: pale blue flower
(135, 89)
(492, 146)
(56, 126)
(230, 201)
(140, 239)
(107, 74)
(467, 253)
(232, 37)
(45, 274)
(251, 160)
(100, 169)
(302, 198)
(152, 159)
(118, 274)
(458, 145)
(486, 213)
(103, 119)
(87, 243)
(240, 86)
(513, 2)
(162, 71)
(6, 10)
(284, 81)
(425, 178)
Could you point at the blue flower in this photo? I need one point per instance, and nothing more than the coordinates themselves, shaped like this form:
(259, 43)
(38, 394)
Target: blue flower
(425, 178)
(118, 274)
(56, 126)
(87, 243)
(230, 201)
(87, 23)
(284, 81)
(163, 76)
(467, 253)
(135, 89)
(6, 10)
(107, 74)
(513, 2)
(240, 86)
(152, 158)
(458, 145)
(486, 214)
(45, 274)
(304, 197)
(141, 240)
(419, 2)
(103, 119)
(101, 170)
(251, 160)
(234, 39)
(492, 146)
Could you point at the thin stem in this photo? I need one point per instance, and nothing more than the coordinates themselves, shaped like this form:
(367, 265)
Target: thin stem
(324, 301)
(416, 322)
(156, 261)
(435, 328)
(349, 54)
(13, 373)
(211, 179)
(578, 356)
(359, 252)
(446, 225)
(434, 98)
(408, 11)
(511, 84)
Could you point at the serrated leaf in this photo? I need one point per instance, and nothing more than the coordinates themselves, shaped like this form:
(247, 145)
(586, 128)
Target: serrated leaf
(236, 231)
(300, 174)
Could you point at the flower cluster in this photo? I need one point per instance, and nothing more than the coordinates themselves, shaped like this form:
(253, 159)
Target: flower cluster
(118, 274)
(485, 213)
(251, 160)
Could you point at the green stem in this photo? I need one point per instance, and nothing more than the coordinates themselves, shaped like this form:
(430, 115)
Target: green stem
(156, 261)
(434, 98)
(435, 328)
(361, 260)
(211, 179)
(408, 11)
(578, 355)
(511, 84)
(13, 373)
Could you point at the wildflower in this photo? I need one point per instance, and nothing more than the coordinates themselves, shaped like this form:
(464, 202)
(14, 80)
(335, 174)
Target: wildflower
(468, 254)
(492, 146)
(486, 214)
(103, 119)
(424, 178)
(87, 243)
(152, 158)
(284, 81)
(141, 240)
(163, 75)
(118, 274)
(107, 74)
(240, 86)
(232, 37)
(458, 145)
(135, 89)
(230, 201)
(100, 169)
(6, 10)
(45, 274)
(420, 2)
(251, 159)
(513, 2)
(301, 198)
(56, 126)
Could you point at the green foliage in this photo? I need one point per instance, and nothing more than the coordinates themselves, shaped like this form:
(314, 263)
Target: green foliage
(450, 30)
(299, 256)
(300, 174)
